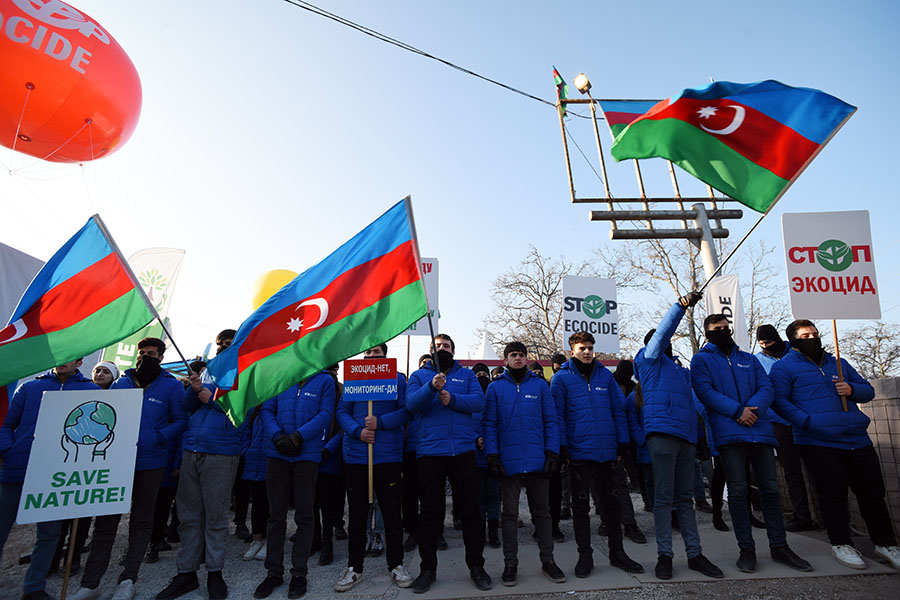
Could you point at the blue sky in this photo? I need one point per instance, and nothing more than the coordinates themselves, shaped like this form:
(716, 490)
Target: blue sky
(268, 135)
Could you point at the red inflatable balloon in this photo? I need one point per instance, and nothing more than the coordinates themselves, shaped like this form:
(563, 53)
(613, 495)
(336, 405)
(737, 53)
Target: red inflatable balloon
(68, 92)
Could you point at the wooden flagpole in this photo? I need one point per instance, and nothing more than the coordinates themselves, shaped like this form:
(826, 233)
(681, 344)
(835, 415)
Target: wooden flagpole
(72, 535)
(371, 463)
(837, 357)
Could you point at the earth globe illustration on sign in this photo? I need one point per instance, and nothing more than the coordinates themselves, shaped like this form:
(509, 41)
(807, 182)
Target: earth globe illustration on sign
(89, 424)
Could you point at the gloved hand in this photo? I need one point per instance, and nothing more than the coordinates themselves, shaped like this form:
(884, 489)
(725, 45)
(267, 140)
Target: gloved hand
(564, 456)
(284, 445)
(551, 463)
(622, 450)
(495, 467)
(690, 299)
(297, 440)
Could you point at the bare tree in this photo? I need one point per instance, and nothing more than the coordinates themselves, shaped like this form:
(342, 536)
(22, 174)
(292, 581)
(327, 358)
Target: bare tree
(873, 349)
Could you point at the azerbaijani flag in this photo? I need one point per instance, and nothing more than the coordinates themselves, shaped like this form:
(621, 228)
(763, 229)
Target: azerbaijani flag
(749, 141)
(620, 113)
(562, 90)
(82, 300)
(366, 292)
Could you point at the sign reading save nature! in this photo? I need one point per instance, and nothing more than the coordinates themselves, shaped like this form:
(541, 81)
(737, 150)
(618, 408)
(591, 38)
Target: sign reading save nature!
(370, 379)
(589, 304)
(82, 458)
(830, 265)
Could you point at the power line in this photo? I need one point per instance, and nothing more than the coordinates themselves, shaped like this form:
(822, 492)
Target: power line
(409, 48)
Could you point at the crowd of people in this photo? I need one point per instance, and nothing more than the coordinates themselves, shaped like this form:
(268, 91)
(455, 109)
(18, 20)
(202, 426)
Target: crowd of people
(581, 436)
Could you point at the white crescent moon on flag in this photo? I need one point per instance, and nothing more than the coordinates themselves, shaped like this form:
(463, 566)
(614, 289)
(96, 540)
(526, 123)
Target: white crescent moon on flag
(319, 303)
(20, 329)
(739, 113)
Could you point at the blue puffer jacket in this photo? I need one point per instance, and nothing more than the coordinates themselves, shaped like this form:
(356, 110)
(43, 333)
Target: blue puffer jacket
(668, 398)
(392, 416)
(17, 432)
(308, 409)
(331, 456)
(767, 361)
(635, 421)
(444, 430)
(591, 412)
(209, 429)
(163, 418)
(520, 423)
(728, 384)
(805, 396)
(253, 446)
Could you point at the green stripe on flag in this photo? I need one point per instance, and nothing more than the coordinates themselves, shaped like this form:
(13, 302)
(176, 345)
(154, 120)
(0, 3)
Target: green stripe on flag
(387, 318)
(703, 156)
(112, 323)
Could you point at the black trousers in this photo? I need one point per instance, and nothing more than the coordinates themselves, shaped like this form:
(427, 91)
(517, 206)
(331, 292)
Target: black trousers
(584, 473)
(789, 456)
(282, 477)
(833, 472)
(242, 495)
(433, 472)
(164, 500)
(537, 490)
(386, 485)
(410, 507)
(328, 510)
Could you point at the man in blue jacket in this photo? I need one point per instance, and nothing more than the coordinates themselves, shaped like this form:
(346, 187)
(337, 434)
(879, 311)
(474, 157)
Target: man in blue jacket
(296, 422)
(735, 389)
(670, 428)
(209, 460)
(774, 349)
(833, 441)
(383, 431)
(593, 434)
(521, 441)
(162, 420)
(16, 438)
(443, 399)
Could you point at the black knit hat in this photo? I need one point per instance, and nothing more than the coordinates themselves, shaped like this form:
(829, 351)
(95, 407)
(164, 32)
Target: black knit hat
(481, 368)
(535, 366)
(767, 333)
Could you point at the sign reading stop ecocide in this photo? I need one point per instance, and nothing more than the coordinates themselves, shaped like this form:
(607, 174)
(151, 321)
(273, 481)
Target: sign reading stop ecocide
(830, 265)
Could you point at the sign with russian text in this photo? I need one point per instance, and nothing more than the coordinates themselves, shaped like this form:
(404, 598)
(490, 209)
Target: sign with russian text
(589, 304)
(82, 457)
(830, 265)
(370, 379)
(430, 277)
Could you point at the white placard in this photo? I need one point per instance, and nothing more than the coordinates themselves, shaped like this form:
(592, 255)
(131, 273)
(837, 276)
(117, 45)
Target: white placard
(723, 297)
(589, 304)
(830, 265)
(420, 327)
(82, 458)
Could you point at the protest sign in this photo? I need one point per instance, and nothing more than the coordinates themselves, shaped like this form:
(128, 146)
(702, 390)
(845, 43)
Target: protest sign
(370, 379)
(589, 304)
(723, 297)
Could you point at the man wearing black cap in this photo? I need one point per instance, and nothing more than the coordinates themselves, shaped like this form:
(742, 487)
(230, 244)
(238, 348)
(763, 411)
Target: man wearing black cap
(773, 349)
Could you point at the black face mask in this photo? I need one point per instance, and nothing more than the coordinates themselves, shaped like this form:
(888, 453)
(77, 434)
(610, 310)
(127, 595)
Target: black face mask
(776, 349)
(584, 368)
(146, 369)
(518, 375)
(445, 360)
(484, 380)
(811, 347)
(721, 338)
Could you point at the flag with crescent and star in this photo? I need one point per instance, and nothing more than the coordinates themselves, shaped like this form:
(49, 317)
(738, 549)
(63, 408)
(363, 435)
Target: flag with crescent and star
(82, 300)
(366, 292)
(749, 141)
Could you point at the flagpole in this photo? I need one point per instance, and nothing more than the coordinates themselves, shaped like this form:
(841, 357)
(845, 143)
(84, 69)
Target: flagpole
(407, 201)
(837, 357)
(730, 254)
(138, 286)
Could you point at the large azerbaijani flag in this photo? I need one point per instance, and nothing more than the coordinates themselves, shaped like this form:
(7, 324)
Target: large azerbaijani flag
(82, 300)
(749, 141)
(620, 113)
(366, 292)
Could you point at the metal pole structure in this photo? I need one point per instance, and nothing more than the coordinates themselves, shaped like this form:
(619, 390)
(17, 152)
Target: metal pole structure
(706, 244)
(600, 154)
(562, 128)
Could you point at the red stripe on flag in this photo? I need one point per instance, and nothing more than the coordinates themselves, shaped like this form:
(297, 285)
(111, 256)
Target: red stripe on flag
(352, 291)
(74, 299)
(621, 118)
(758, 137)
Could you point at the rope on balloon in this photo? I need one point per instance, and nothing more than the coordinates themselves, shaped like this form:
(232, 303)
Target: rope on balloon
(28, 86)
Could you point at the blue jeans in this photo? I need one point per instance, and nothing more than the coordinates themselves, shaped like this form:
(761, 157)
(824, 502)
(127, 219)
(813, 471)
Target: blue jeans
(762, 459)
(47, 534)
(673, 482)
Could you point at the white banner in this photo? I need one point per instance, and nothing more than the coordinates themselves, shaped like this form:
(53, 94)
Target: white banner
(82, 457)
(589, 304)
(723, 296)
(830, 265)
(420, 327)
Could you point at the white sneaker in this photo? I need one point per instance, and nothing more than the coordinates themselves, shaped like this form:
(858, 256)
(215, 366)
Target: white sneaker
(124, 591)
(401, 577)
(255, 547)
(890, 554)
(261, 555)
(848, 556)
(348, 579)
(84, 593)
